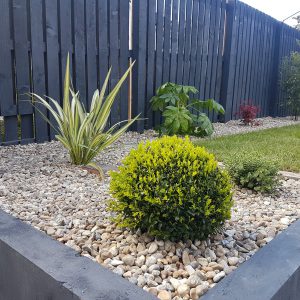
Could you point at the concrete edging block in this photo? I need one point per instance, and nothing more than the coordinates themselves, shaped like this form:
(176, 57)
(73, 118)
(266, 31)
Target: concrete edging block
(35, 266)
(273, 273)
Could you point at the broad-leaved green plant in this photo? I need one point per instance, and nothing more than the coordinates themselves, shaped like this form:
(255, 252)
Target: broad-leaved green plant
(181, 114)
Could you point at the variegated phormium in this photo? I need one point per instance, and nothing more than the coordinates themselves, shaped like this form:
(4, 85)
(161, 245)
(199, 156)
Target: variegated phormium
(84, 134)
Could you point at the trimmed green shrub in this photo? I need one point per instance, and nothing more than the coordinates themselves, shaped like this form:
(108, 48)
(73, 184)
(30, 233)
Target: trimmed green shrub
(172, 190)
(254, 173)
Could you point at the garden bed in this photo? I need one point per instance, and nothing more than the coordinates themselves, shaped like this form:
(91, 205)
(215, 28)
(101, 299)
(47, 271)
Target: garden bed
(39, 186)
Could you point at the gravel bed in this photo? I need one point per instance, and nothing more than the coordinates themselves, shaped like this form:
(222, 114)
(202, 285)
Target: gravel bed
(39, 185)
(235, 126)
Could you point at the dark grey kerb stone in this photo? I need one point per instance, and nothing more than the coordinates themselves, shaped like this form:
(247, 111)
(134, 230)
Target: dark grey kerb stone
(35, 267)
(272, 273)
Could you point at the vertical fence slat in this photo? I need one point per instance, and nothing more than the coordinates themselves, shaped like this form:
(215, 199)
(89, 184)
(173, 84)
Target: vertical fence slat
(211, 35)
(52, 49)
(266, 58)
(242, 59)
(167, 41)
(7, 97)
(21, 40)
(80, 51)
(124, 61)
(150, 60)
(258, 64)
(139, 50)
(194, 42)
(239, 58)
(211, 45)
(205, 50)
(66, 34)
(252, 79)
(65, 38)
(114, 56)
(245, 55)
(103, 28)
(220, 55)
(91, 49)
(38, 68)
(174, 40)
(159, 52)
(216, 30)
(229, 61)
(181, 38)
(200, 37)
(187, 43)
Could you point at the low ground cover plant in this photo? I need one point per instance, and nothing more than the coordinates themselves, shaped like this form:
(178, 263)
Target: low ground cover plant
(181, 114)
(254, 172)
(172, 190)
(248, 113)
(84, 133)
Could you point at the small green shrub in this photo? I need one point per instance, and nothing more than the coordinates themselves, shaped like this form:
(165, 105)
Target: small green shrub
(254, 173)
(171, 189)
(181, 114)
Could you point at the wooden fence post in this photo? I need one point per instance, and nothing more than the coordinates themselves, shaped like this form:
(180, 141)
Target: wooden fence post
(274, 88)
(228, 60)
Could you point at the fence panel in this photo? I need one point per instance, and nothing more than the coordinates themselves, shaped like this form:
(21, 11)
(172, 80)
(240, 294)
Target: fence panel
(226, 49)
(185, 44)
(250, 59)
(36, 36)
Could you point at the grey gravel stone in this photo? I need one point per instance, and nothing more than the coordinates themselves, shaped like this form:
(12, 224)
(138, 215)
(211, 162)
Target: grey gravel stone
(39, 186)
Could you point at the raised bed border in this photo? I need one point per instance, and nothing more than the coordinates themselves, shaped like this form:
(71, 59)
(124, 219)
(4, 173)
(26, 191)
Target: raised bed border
(35, 266)
(273, 273)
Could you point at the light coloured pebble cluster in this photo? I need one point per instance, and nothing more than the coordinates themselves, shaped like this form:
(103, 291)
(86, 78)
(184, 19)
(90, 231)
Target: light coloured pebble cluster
(236, 126)
(39, 186)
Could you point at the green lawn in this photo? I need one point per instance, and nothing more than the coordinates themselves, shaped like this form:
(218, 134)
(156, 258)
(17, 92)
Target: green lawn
(279, 144)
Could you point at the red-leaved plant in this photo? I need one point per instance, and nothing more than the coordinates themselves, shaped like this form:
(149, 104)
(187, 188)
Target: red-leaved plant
(248, 113)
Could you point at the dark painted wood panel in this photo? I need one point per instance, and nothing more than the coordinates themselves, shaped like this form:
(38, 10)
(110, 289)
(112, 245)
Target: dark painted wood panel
(22, 65)
(91, 49)
(38, 68)
(8, 106)
(52, 57)
(151, 66)
(124, 56)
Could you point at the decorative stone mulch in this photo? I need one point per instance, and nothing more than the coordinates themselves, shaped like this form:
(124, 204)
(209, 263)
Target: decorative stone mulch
(39, 186)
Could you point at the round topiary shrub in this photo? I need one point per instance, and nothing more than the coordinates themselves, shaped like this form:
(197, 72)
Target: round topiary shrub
(172, 190)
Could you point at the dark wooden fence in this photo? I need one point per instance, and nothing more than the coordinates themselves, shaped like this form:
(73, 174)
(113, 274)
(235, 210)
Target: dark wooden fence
(35, 37)
(177, 41)
(229, 51)
(254, 49)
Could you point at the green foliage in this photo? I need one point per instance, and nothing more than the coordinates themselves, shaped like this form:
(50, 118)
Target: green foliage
(183, 115)
(290, 81)
(254, 172)
(281, 145)
(83, 133)
(171, 189)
